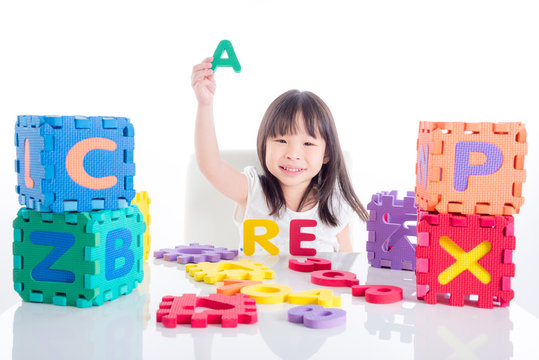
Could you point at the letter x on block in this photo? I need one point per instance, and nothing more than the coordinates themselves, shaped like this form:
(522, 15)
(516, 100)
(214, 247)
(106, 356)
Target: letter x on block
(464, 261)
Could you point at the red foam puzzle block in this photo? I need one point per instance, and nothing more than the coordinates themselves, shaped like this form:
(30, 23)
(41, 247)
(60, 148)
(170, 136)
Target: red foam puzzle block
(378, 294)
(296, 237)
(465, 255)
(334, 278)
(309, 265)
(226, 310)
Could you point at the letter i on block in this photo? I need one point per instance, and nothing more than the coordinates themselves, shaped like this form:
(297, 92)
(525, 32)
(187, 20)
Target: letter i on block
(471, 168)
(464, 255)
(74, 163)
(77, 259)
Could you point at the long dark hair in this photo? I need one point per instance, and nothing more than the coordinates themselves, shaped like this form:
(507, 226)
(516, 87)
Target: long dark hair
(280, 119)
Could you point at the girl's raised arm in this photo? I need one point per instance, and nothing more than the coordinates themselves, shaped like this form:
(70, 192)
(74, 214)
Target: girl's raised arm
(227, 180)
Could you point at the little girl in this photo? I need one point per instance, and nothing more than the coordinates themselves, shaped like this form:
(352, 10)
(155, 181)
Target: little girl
(304, 176)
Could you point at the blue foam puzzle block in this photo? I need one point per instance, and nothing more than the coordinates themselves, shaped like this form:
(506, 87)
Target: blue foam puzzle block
(74, 163)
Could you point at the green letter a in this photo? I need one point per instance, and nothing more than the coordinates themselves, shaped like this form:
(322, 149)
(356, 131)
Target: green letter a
(232, 60)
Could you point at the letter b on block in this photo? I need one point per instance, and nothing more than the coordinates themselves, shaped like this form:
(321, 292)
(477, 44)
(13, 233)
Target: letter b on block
(249, 236)
(114, 268)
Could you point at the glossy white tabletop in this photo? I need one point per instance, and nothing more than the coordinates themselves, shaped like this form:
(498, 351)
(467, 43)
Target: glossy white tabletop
(411, 329)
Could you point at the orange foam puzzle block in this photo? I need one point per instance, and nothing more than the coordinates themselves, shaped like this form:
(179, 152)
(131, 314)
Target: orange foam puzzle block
(471, 168)
(464, 255)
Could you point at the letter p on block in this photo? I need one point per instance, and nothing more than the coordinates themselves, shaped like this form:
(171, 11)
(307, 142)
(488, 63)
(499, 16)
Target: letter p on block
(249, 236)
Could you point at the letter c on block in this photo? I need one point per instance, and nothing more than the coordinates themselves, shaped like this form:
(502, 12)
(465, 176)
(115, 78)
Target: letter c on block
(75, 163)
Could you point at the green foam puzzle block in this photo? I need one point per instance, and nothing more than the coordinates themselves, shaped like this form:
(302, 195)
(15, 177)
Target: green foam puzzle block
(77, 259)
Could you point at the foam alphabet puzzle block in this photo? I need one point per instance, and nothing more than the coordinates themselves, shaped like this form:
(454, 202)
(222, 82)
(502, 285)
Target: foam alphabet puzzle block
(74, 163)
(77, 259)
(464, 255)
(225, 310)
(389, 244)
(239, 270)
(143, 201)
(471, 168)
(195, 253)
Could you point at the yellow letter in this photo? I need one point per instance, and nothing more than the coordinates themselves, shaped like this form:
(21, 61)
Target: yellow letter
(249, 237)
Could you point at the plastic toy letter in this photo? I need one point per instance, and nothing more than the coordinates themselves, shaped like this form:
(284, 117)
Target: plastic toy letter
(231, 61)
(296, 237)
(249, 237)
(75, 163)
(463, 166)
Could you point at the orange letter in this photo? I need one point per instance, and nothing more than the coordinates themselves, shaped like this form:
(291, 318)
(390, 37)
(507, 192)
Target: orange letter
(75, 163)
(28, 181)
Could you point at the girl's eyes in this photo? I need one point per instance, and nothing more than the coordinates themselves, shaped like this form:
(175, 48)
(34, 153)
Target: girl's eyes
(283, 141)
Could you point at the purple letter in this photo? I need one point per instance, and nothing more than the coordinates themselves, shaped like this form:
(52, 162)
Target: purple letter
(423, 165)
(463, 169)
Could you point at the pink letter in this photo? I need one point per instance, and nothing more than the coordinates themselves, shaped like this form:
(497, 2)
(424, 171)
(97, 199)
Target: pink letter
(296, 237)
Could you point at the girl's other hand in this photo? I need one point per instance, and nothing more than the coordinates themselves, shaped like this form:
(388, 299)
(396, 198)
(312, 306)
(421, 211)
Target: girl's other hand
(203, 82)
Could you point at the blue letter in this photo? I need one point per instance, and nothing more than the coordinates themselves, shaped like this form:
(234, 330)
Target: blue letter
(62, 242)
(113, 253)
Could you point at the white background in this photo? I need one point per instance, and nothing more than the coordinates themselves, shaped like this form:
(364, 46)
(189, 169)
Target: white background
(381, 66)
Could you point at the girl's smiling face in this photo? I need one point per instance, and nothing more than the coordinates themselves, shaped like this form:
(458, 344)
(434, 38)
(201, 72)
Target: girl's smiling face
(294, 159)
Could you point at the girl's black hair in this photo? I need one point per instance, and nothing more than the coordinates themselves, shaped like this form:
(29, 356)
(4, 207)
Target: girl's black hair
(280, 119)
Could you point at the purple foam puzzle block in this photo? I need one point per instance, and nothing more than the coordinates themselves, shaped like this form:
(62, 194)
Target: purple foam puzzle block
(389, 244)
(317, 316)
(195, 253)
